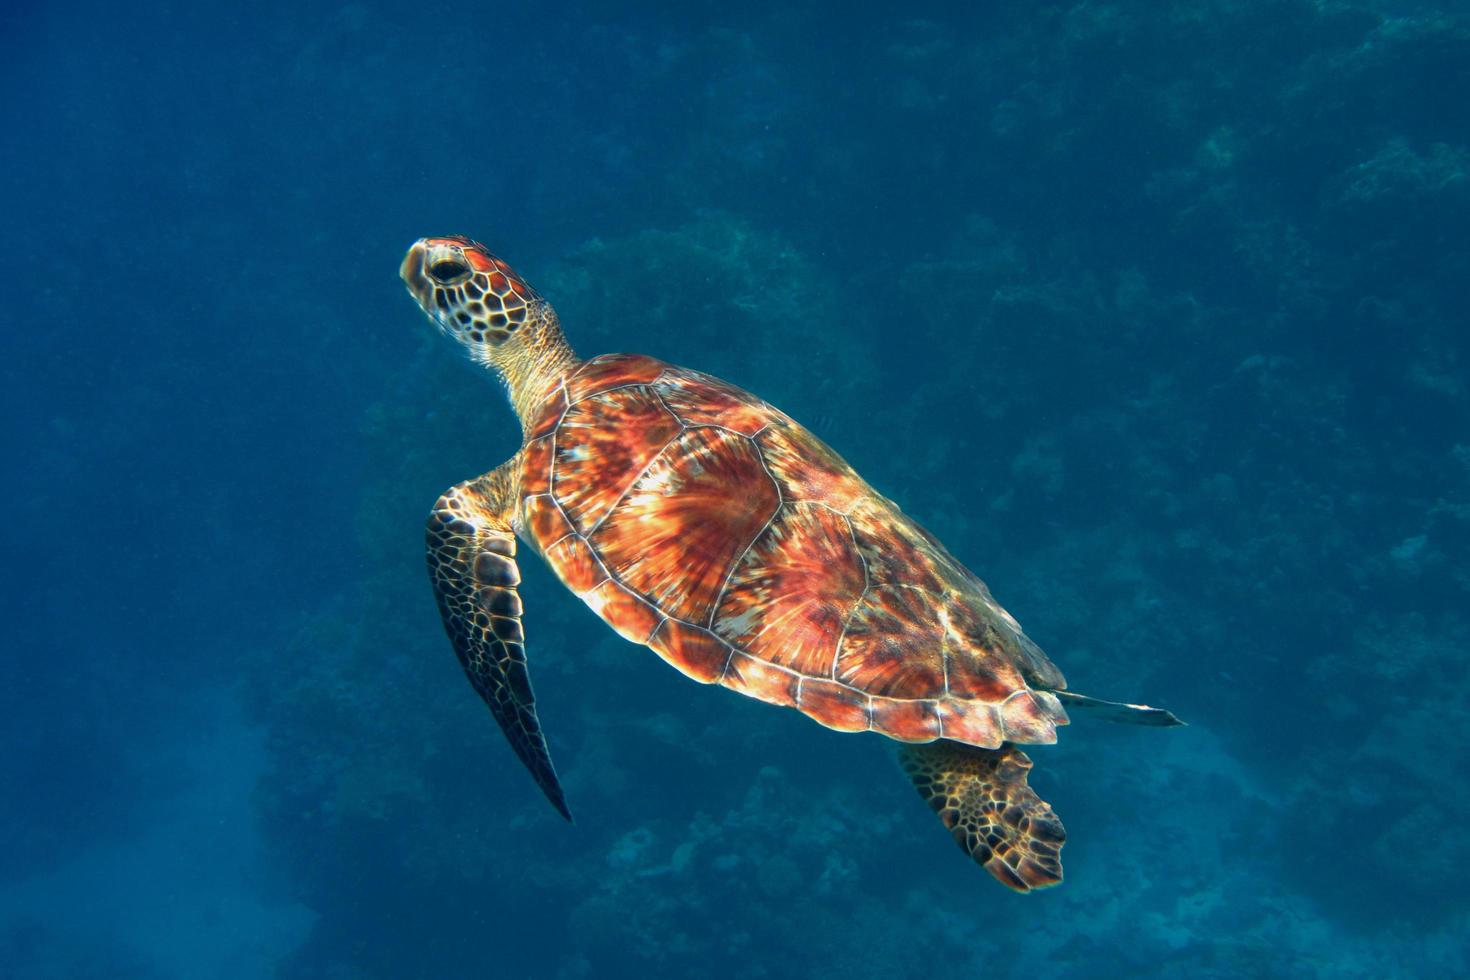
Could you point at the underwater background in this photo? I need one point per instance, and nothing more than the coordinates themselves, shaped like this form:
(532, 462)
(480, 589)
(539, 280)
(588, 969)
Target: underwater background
(1158, 315)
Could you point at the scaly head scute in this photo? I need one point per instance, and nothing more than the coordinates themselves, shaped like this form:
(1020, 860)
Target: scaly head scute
(474, 297)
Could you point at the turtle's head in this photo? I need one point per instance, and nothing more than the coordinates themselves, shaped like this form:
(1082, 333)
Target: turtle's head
(502, 322)
(474, 297)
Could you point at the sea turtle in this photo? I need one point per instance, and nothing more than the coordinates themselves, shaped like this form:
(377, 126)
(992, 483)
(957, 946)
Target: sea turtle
(702, 522)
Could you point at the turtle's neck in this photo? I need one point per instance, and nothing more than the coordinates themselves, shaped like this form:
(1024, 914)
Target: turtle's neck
(532, 368)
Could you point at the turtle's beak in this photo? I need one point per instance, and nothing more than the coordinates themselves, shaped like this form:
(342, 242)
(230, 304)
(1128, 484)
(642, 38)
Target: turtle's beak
(412, 271)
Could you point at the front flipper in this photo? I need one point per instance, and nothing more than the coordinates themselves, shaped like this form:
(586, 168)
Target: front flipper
(472, 566)
(982, 797)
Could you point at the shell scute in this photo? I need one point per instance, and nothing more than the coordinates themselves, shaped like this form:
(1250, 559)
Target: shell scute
(907, 721)
(1024, 718)
(971, 723)
(575, 563)
(544, 521)
(696, 652)
(549, 414)
(699, 399)
(537, 458)
(632, 617)
(980, 666)
(677, 531)
(758, 679)
(808, 469)
(791, 593)
(603, 443)
(981, 678)
(835, 705)
(892, 647)
(892, 557)
(612, 371)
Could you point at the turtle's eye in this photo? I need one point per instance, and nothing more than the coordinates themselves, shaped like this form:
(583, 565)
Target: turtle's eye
(448, 271)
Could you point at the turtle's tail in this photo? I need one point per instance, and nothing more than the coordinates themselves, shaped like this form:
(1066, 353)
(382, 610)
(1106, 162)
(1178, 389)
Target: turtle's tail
(1130, 714)
(982, 797)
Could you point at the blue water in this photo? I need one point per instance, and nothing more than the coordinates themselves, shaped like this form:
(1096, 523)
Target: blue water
(1155, 314)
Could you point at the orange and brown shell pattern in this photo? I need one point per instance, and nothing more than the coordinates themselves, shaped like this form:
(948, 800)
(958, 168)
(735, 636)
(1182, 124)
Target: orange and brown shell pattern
(702, 522)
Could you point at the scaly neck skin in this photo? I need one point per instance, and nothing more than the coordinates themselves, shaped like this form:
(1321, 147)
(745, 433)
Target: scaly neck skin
(533, 365)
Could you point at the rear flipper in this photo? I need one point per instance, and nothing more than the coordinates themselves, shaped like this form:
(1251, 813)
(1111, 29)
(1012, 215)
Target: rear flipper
(982, 797)
(1131, 714)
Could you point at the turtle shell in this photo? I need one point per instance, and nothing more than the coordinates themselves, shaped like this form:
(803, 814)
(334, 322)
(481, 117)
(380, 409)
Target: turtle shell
(699, 520)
